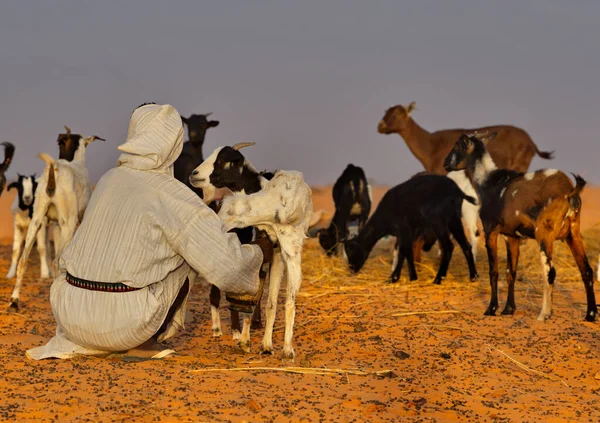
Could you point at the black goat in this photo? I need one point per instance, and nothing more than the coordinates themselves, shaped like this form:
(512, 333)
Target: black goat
(352, 199)
(191, 156)
(9, 152)
(409, 211)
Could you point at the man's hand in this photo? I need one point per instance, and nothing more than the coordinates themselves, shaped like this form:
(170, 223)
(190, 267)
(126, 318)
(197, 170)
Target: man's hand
(266, 246)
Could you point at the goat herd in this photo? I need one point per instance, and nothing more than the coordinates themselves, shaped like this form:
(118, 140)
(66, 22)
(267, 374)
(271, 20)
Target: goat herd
(470, 175)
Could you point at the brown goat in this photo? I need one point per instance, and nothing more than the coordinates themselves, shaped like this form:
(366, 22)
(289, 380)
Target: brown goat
(542, 205)
(512, 149)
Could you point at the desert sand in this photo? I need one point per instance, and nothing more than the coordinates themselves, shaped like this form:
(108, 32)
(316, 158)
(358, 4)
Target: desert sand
(427, 353)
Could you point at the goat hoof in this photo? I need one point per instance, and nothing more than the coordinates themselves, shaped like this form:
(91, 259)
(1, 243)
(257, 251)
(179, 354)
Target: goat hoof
(288, 355)
(244, 346)
(475, 277)
(508, 311)
(591, 316)
(437, 281)
(256, 324)
(490, 311)
(217, 332)
(413, 278)
(392, 280)
(236, 335)
(543, 316)
(13, 305)
(267, 351)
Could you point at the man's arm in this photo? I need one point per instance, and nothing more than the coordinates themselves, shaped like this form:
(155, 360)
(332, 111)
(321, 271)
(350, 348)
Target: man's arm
(201, 239)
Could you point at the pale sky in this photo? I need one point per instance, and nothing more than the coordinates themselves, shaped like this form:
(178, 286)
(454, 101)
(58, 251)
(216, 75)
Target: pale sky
(306, 80)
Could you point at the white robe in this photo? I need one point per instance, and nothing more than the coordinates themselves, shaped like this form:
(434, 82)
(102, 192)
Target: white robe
(147, 230)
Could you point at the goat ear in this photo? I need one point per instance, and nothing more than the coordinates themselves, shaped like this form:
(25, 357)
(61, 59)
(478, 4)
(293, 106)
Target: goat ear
(184, 120)
(12, 185)
(213, 123)
(409, 109)
(487, 138)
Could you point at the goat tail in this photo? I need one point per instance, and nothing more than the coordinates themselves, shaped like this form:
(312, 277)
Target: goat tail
(548, 155)
(51, 166)
(9, 152)
(470, 199)
(574, 197)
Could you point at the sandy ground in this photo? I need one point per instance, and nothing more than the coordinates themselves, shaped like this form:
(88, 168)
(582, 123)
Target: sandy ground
(442, 360)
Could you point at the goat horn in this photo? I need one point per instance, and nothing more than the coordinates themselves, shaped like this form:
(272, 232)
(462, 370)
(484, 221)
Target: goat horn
(96, 137)
(242, 145)
(68, 130)
(208, 114)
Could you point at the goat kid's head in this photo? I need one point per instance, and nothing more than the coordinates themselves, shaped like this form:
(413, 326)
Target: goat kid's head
(222, 169)
(25, 186)
(69, 143)
(468, 148)
(357, 256)
(395, 118)
(197, 126)
(328, 239)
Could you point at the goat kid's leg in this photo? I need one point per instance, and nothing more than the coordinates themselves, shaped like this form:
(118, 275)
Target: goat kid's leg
(16, 251)
(32, 230)
(470, 213)
(244, 341)
(491, 245)
(395, 252)
(417, 249)
(294, 280)
(512, 261)
(215, 301)
(248, 320)
(42, 243)
(275, 275)
(236, 329)
(457, 231)
(399, 262)
(575, 243)
(256, 316)
(548, 274)
(447, 248)
(56, 239)
(410, 259)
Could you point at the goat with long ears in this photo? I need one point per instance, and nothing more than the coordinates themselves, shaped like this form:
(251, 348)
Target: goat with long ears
(279, 204)
(543, 205)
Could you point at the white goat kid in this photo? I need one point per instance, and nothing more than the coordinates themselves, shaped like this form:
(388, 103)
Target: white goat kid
(62, 196)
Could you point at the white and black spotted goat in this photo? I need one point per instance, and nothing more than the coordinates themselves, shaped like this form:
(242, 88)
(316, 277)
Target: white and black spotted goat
(62, 196)
(22, 211)
(352, 199)
(282, 207)
(542, 205)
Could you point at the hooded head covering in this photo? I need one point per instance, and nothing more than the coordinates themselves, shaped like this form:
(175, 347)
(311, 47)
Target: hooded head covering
(154, 139)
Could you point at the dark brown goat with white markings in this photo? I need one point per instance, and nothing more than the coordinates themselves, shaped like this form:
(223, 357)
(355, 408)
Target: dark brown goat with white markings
(542, 205)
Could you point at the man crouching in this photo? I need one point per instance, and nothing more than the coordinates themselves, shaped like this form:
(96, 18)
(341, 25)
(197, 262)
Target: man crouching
(125, 278)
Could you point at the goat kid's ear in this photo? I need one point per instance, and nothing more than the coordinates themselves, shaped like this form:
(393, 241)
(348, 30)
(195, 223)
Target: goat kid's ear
(12, 185)
(409, 109)
(485, 139)
(213, 123)
(89, 140)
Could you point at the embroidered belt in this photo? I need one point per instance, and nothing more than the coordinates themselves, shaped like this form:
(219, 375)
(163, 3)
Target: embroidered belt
(98, 286)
